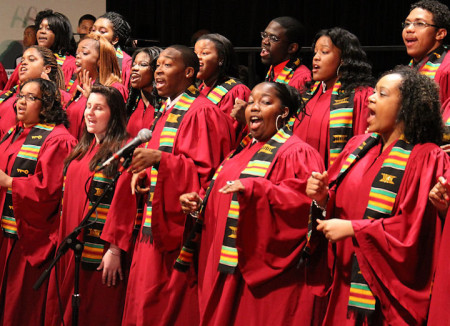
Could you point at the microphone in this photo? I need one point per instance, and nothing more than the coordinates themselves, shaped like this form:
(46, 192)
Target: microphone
(143, 136)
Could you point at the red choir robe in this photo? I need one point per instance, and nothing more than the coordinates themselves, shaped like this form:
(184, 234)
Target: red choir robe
(315, 125)
(3, 77)
(75, 111)
(157, 294)
(301, 75)
(141, 118)
(36, 199)
(226, 104)
(397, 255)
(7, 114)
(99, 304)
(126, 69)
(68, 67)
(442, 77)
(266, 288)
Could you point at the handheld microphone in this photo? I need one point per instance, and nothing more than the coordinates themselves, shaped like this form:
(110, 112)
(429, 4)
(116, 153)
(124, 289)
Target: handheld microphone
(143, 136)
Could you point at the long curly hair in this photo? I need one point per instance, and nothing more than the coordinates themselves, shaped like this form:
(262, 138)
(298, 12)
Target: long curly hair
(225, 50)
(116, 133)
(51, 110)
(134, 93)
(60, 25)
(420, 106)
(355, 70)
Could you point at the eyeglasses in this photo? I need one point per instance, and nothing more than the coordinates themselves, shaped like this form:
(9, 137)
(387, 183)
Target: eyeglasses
(272, 38)
(417, 25)
(27, 97)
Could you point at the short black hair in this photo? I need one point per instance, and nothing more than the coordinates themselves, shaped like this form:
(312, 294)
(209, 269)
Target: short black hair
(190, 59)
(420, 106)
(86, 17)
(294, 30)
(440, 12)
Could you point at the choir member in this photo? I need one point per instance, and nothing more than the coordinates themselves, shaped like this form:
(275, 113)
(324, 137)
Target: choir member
(85, 24)
(218, 73)
(336, 106)
(96, 63)
(424, 32)
(36, 62)
(191, 136)
(107, 238)
(143, 99)
(255, 223)
(32, 157)
(383, 231)
(116, 30)
(54, 32)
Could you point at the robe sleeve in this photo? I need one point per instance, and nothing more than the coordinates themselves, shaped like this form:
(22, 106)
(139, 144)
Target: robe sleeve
(68, 68)
(397, 255)
(201, 144)
(301, 76)
(443, 79)
(360, 110)
(3, 77)
(274, 216)
(13, 80)
(119, 223)
(126, 69)
(36, 199)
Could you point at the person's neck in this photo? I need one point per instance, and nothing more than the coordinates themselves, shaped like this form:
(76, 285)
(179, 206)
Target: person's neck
(99, 138)
(330, 83)
(436, 46)
(389, 137)
(211, 81)
(146, 95)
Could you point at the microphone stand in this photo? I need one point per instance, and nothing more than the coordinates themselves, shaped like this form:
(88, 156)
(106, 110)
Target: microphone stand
(71, 242)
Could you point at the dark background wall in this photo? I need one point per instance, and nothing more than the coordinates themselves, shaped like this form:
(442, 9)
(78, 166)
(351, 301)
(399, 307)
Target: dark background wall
(376, 23)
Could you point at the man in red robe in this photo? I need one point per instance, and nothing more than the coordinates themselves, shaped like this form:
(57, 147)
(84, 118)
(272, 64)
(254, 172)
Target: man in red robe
(190, 139)
(424, 33)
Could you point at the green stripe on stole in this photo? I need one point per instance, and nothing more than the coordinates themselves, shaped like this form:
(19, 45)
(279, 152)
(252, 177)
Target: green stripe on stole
(24, 165)
(258, 166)
(433, 63)
(166, 143)
(286, 74)
(381, 202)
(218, 92)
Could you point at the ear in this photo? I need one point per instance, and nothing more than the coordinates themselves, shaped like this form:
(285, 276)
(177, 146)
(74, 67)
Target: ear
(285, 112)
(189, 72)
(441, 34)
(293, 48)
(115, 41)
(47, 69)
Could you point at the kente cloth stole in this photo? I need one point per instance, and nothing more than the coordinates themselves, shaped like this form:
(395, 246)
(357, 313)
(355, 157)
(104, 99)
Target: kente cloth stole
(218, 92)
(186, 256)
(381, 202)
(341, 118)
(119, 55)
(433, 63)
(60, 58)
(315, 212)
(259, 166)
(166, 143)
(286, 74)
(8, 94)
(94, 247)
(71, 82)
(24, 165)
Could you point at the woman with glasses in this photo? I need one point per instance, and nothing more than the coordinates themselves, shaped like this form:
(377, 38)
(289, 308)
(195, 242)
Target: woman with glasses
(32, 157)
(37, 62)
(107, 238)
(383, 232)
(424, 34)
(96, 64)
(54, 32)
(336, 108)
(143, 98)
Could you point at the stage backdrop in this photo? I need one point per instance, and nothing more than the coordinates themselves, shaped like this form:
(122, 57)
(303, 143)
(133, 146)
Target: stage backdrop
(16, 15)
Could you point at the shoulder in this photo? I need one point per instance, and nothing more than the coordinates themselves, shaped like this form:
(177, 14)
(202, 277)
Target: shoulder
(421, 151)
(295, 145)
(60, 134)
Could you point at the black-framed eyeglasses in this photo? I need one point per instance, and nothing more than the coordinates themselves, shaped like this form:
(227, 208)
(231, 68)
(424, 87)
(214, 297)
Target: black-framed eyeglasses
(28, 97)
(417, 25)
(272, 38)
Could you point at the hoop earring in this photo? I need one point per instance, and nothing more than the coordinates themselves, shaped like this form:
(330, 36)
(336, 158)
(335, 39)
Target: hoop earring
(337, 71)
(276, 122)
